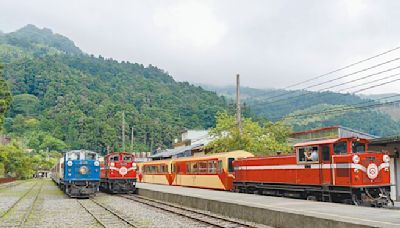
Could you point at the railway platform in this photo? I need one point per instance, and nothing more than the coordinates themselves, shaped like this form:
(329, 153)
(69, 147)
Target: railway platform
(273, 211)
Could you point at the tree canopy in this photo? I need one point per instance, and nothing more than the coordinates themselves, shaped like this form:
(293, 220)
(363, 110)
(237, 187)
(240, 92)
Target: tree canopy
(259, 138)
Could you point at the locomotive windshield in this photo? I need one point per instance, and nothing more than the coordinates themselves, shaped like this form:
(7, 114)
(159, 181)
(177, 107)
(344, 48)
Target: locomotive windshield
(128, 158)
(358, 147)
(90, 156)
(340, 148)
(73, 156)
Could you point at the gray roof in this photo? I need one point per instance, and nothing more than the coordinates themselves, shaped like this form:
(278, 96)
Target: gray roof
(172, 152)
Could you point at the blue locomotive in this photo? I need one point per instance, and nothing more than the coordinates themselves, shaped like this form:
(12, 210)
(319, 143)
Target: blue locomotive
(78, 173)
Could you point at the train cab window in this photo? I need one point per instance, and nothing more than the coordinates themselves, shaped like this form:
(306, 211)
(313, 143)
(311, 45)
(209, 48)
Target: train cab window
(326, 152)
(230, 165)
(127, 158)
(114, 158)
(73, 156)
(308, 154)
(358, 147)
(89, 156)
(340, 148)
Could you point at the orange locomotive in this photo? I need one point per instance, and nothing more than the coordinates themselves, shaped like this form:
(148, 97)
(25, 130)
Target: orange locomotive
(338, 170)
(118, 173)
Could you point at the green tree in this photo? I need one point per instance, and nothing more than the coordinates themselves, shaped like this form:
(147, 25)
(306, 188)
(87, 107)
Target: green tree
(261, 139)
(5, 98)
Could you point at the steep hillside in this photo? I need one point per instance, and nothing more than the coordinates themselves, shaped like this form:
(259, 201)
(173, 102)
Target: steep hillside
(268, 103)
(79, 98)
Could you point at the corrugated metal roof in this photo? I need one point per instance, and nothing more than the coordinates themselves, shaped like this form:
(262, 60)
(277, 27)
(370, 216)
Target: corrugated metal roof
(172, 152)
(309, 143)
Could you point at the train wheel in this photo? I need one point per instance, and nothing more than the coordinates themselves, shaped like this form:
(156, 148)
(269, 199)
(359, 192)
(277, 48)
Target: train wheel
(356, 201)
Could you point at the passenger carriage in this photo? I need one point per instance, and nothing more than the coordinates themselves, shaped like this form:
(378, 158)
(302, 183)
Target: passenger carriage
(156, 172)
(213, 171)
(118, 173)
(328, 170)
(77, 173)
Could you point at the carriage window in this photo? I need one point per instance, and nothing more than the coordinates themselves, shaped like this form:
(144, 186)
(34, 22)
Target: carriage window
(212, 166)
(195, 167)
(340, 148)
(230, 165)
(203, 167)
(220, 168)
(326, 153)
(358, 147)
(308, 154)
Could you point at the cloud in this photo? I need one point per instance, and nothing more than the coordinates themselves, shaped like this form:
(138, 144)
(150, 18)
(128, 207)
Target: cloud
(270, 43)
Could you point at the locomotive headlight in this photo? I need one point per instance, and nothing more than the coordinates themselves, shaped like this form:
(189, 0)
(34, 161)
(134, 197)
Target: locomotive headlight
(386, 158)
(96, 163)
(112, 164)
(134, 166)
(69, 163)
(356, 159)
(83, 170)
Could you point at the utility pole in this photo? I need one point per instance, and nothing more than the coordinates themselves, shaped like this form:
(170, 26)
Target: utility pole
(123, 131)
(238, 112)
(132, 139)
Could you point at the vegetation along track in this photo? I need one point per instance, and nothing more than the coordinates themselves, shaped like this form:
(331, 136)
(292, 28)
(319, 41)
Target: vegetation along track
(11, 184)
(196, 215)
(104, 215)
(18, 213)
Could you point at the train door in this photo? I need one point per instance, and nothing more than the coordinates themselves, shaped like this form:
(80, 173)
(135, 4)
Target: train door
(325, 165)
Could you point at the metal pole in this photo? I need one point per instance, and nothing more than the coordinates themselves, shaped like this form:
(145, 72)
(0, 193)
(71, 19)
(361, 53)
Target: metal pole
(132, 139)
(123, 131)
(238, 112)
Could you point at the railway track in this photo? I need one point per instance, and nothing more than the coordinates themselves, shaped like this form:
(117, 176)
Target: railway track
(20, 210)
(105, 216)
(10, 185)
(210, 220)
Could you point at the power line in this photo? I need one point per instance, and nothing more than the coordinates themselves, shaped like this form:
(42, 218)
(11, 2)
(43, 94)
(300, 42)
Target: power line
(366, 83)
(346, 109)
(337, 70)
(342, 68)
(306, 93)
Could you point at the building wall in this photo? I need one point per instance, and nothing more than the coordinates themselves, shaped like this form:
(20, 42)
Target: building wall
(194, 134)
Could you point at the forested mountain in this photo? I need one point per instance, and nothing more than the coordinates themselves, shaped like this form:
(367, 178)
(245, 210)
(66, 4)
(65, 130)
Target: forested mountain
(64, 98)
(274, 105)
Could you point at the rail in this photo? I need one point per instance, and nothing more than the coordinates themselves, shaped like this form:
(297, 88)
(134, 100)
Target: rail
(199, 216)
(96, 210)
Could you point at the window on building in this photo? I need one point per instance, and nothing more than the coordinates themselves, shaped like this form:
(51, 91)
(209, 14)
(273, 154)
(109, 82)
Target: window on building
(340, 148)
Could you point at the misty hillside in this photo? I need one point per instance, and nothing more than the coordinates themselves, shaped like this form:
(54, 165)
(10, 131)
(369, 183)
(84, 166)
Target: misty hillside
(269, 103)
(62, 93)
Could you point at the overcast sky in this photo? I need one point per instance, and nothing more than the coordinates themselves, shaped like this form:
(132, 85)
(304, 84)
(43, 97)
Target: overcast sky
(270, 43)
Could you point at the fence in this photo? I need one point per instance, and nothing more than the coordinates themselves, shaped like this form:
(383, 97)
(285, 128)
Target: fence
(7, 179)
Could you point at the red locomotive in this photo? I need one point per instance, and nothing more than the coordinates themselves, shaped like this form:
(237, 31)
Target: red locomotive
(118, 173)
(333, 170)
